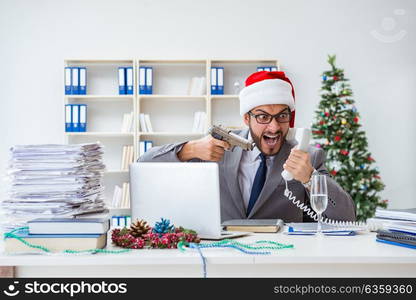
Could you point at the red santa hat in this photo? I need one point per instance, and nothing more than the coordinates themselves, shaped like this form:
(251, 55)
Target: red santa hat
(264, 88)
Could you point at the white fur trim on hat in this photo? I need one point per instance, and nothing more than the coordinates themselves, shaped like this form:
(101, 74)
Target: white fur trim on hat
(268, 91)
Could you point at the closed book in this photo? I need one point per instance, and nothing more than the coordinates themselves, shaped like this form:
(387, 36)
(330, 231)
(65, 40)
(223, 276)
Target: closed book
(54, 242)
(148, 123)
(68, 226)
(253, 225)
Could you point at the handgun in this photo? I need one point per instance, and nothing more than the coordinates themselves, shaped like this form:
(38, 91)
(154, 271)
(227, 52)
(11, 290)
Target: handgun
(233, 139)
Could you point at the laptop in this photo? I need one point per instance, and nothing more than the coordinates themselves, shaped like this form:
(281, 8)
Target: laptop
(188, 194)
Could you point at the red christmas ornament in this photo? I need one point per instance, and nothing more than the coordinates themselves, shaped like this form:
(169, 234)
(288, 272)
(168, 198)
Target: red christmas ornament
(370, 158)
(337, 138)
(322, 122)
(356, 119)
(335, 77)
(333, 172)
(344, 152)
(326, 114)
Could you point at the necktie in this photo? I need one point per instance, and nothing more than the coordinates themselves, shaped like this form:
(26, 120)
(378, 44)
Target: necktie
(258, 183)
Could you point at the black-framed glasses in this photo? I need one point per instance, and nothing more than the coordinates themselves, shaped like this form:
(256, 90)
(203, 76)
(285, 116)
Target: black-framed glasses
(264, 118)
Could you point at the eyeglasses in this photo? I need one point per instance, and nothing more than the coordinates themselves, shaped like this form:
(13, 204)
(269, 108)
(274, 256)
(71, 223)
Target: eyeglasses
(282, 117)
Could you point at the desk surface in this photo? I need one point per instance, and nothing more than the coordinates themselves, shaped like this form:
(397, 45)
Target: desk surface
(341, 256)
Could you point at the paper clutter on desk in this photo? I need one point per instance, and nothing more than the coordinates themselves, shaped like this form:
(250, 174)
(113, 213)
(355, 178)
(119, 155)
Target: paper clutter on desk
(53, 181)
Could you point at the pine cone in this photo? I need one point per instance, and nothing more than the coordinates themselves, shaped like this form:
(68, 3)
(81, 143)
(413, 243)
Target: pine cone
(138, 228)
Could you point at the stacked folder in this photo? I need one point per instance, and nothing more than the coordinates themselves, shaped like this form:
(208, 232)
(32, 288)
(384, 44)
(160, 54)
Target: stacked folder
(399, 225)
(53, 181)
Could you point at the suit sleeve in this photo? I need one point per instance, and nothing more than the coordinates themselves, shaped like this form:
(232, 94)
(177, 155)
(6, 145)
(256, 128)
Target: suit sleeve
(165, 153)
(340, 204)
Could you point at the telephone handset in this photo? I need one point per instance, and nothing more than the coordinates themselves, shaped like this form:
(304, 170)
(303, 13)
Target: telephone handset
(303, 136)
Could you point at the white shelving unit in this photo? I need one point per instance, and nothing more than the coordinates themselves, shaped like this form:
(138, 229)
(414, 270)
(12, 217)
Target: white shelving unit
(105, 109)
(170, 108)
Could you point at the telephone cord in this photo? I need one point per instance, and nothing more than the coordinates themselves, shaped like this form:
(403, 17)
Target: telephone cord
(372, 226)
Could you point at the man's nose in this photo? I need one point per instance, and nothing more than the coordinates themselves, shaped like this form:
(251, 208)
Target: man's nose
(273, 125)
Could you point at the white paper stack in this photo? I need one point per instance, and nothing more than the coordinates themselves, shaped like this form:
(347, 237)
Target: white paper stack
(53, 180)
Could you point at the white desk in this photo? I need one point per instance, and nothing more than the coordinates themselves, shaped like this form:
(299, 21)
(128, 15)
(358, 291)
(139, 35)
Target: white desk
(351, 256)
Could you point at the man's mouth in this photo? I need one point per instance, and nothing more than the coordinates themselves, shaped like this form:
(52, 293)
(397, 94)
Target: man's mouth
(272, 139)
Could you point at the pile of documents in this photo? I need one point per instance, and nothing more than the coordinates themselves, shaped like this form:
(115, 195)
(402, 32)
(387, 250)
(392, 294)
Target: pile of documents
(53, 181)
(399, 227)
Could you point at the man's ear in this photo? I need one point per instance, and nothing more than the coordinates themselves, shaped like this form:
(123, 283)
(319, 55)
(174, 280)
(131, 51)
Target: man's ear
(246, 119)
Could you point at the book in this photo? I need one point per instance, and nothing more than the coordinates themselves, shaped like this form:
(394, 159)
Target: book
(397, 214)
(54, 242)
(253, 225)
(148, 123)
(123, 158)
(142, 121)
(68, 226)
(116, 197)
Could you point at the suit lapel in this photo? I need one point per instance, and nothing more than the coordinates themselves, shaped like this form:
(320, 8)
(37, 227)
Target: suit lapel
(273, 178)
(232, 165)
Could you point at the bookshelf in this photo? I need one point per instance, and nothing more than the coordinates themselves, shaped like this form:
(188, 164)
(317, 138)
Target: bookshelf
(171, 107)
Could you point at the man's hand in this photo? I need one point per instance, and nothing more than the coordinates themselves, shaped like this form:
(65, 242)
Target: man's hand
(207, 148)
(299, 165)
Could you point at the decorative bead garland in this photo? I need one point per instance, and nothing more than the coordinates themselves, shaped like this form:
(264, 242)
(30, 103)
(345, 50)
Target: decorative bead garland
(242, 247)
(48, 251)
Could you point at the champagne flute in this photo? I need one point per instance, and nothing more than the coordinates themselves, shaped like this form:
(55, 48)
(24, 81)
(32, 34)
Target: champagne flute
(319, 198)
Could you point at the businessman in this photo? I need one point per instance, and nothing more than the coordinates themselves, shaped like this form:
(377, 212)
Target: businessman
(250, 181)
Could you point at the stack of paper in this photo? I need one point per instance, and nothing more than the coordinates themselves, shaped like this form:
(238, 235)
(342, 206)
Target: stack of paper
(403, 220)
(397, 214)
(53, 181)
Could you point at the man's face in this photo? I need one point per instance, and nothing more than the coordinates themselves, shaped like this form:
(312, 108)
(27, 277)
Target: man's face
(269, 138)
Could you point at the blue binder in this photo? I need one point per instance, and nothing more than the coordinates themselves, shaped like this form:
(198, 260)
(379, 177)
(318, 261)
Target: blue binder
(122, 81)
(396, 243)
(75, 80)
(129, 80)
(147, 145)
(82, 117)
(149, 80)
(220, 81)
(68, 80)
(142, 80)
(82, 80)
(68, 118)
(214, 86)
(75, 117)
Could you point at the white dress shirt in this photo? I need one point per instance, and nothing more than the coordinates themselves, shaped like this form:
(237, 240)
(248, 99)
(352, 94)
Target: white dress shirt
(250, 162)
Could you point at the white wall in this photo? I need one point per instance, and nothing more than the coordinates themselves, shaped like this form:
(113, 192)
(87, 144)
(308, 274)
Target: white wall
(35, 37)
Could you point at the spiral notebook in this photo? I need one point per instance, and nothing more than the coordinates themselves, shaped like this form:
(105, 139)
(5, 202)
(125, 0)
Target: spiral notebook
(397, 238)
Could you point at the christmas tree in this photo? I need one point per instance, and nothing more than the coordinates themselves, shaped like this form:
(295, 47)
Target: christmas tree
(337, 130)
